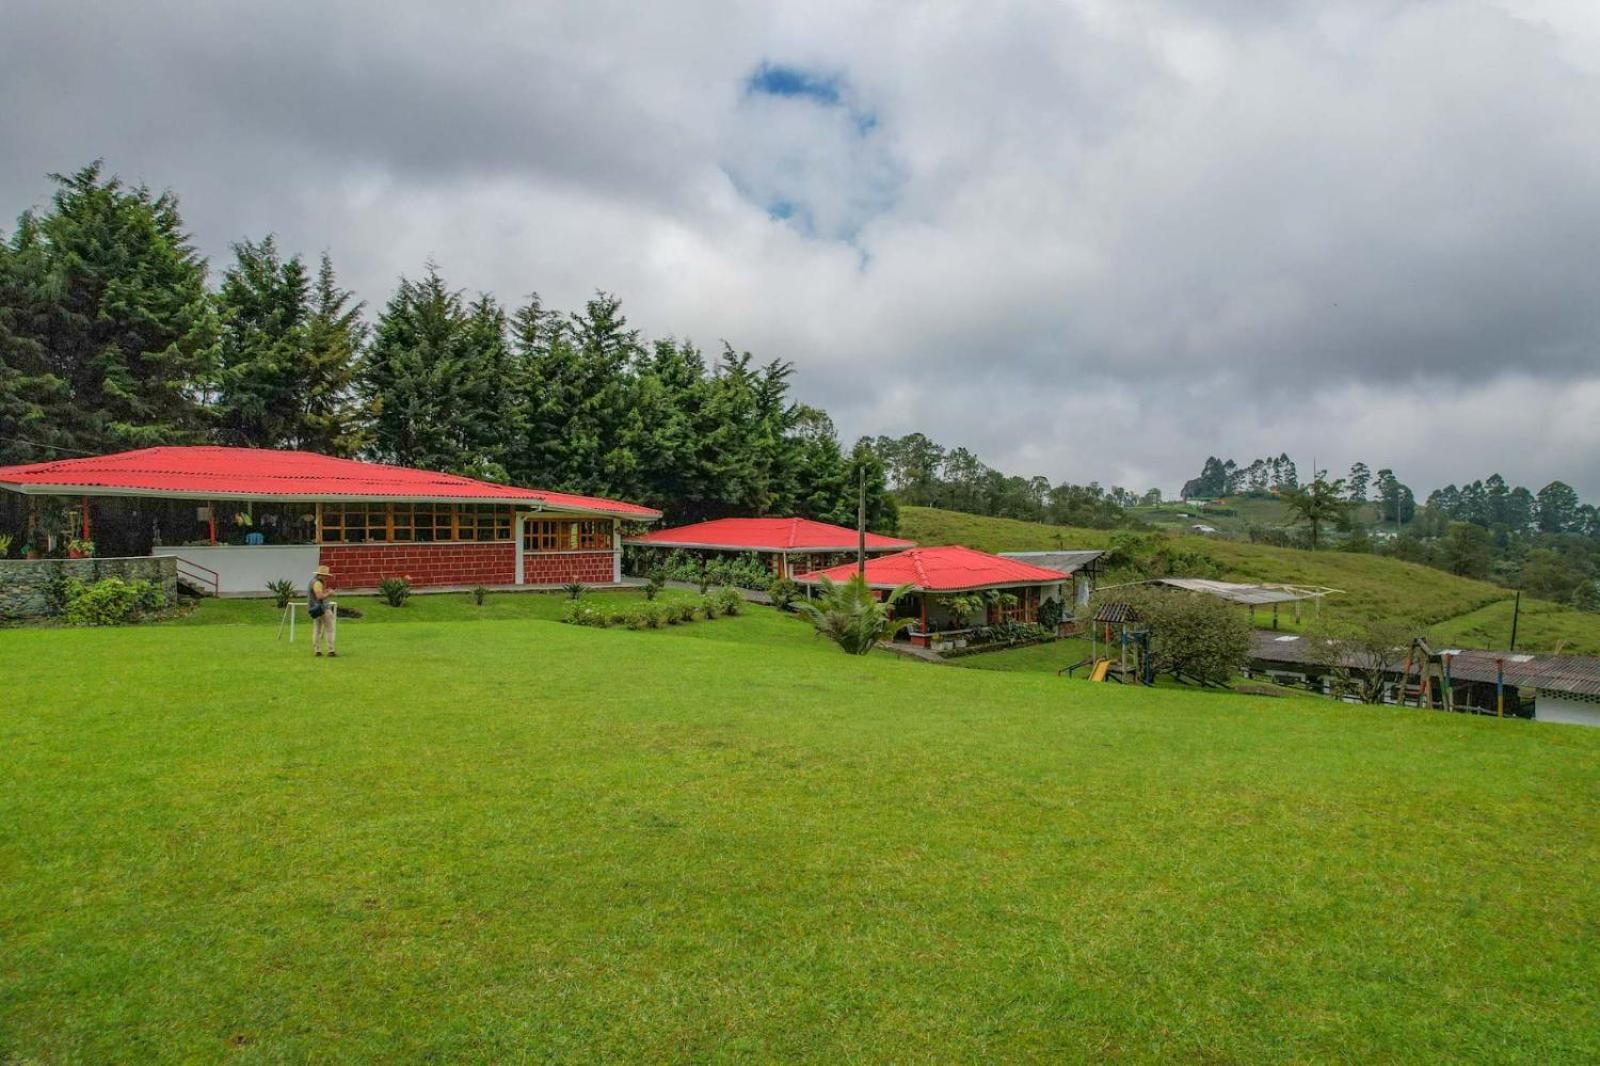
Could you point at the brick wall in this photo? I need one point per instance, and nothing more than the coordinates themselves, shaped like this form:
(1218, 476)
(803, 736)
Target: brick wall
(560, 568)
(362, 566)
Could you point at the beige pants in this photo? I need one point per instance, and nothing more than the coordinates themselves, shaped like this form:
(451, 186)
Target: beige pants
(322, 631)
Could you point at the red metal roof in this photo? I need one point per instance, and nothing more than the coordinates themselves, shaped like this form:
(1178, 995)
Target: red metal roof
(766, 534)
(948, 569)
(263, 474)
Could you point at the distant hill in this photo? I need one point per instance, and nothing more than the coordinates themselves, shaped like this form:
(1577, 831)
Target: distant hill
(1456, 610)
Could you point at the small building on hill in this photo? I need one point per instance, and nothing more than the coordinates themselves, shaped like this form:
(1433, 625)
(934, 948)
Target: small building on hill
(1084, 567)
(1547, 688)
(786, 546)
(238, 518)
(939, 575)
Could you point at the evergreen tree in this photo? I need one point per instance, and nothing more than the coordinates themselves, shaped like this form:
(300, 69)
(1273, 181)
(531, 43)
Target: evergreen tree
(1558, 505)
(119, 302)
(263, 305)
(1360, 477)
(34, 401)
(432, 378)
(329, 421)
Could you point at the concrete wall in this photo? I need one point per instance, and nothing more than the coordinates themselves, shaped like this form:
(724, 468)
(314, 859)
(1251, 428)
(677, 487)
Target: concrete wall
(244, 570)
(25, 583)
(1570, 707)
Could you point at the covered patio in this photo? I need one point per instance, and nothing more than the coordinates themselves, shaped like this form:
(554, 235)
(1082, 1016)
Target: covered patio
(955, 590)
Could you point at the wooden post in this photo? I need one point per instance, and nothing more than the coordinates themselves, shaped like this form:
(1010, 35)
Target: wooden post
(211, 520)
(88, 532)
(923, 600)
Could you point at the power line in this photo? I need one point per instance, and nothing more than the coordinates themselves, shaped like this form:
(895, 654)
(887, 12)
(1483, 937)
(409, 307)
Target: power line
(46, 447)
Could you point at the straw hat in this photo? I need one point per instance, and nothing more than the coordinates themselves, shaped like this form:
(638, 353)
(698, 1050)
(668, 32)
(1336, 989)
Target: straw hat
(323, 571)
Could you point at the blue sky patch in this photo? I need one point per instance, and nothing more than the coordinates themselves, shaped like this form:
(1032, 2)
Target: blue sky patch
(777, 79)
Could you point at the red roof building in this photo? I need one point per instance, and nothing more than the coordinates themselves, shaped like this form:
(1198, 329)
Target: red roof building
(240, 517)
(936, 575)
(790, 545)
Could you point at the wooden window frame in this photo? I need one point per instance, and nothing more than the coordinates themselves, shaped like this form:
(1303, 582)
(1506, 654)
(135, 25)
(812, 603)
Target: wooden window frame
(398, 522)
(554, 536)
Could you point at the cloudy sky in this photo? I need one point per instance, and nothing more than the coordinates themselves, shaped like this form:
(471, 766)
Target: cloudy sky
(1094, 240)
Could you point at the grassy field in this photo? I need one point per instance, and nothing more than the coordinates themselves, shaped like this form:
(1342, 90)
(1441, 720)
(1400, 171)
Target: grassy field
(1455, 609)
(488, 836)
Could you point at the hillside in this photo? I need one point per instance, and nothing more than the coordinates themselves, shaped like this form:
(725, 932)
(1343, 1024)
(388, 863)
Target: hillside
(1456, 610)
(475, 840)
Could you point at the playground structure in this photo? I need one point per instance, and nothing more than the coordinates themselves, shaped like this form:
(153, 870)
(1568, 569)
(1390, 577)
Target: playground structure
(1133, 664)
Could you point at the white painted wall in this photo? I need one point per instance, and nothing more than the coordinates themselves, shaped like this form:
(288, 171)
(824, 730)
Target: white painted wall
(245, 570)
(1565, 707)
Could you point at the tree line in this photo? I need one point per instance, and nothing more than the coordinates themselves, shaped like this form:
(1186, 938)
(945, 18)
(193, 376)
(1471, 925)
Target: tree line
(926, 474)
(112, 338)
(1546, 542)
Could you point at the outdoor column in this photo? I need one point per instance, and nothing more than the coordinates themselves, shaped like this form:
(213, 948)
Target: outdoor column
(516, 541)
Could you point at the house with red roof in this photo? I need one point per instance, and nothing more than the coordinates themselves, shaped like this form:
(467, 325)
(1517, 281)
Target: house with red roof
(938, 575)
(787, 546)
(237, 518)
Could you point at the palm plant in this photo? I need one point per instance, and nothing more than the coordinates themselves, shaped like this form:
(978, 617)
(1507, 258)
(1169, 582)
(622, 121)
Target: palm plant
(851, 616)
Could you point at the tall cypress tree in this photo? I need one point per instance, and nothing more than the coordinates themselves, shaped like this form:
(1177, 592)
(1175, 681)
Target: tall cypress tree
(130, 326)
(264, 306)
(329, 421)
(35, 402)
(435, 381)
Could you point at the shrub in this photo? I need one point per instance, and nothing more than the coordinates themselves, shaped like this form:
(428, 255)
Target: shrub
(5, 545)
(479, 594)
(1050, 612)
(282, 590)
(657, 582)
(729, 601)
(852, 616)
(111, 601)
(1192, 635)
(783, 592)
(686, 609)
(583, 613)
(574, 589)
(394, 591)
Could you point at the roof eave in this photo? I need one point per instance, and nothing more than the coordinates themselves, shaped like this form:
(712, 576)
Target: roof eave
(30, 489)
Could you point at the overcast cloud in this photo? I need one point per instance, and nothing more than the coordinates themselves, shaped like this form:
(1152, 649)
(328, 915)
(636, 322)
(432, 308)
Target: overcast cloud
(1094, 241)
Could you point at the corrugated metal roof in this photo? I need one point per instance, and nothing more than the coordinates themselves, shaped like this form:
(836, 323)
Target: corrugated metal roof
(766, 534)
(210, 472)
(1254, 595)
(948, 569)
(1064, 561)
(1116, 613)
(1555, 673)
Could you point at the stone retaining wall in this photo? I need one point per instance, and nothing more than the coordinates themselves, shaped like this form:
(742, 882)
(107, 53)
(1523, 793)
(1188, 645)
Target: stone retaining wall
(25, 583)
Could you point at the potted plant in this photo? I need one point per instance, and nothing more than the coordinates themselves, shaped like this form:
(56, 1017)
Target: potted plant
(30, 552)
(80, 548)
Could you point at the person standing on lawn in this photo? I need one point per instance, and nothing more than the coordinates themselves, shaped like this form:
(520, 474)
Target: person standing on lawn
(321, 611)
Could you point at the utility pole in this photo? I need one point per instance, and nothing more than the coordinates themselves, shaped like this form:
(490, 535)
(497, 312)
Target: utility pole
(1516, 611)
(861, 524)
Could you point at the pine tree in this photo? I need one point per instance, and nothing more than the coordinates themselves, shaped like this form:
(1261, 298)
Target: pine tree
(34, 401)
(421, 379)
(263, 306)
(329, 421)
(1360, 478)
(127, 324)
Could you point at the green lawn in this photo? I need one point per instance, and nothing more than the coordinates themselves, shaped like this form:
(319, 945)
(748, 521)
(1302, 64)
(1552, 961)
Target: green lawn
(514, 840)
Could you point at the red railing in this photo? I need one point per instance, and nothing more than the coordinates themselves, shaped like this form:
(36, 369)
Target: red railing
(202, 576)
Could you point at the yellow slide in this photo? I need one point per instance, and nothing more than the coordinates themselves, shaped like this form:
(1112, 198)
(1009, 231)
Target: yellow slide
(1100, 669)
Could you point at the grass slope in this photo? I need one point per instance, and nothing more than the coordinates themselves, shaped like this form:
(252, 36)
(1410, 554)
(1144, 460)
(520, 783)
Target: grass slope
(512, 839)
(1457, 609)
